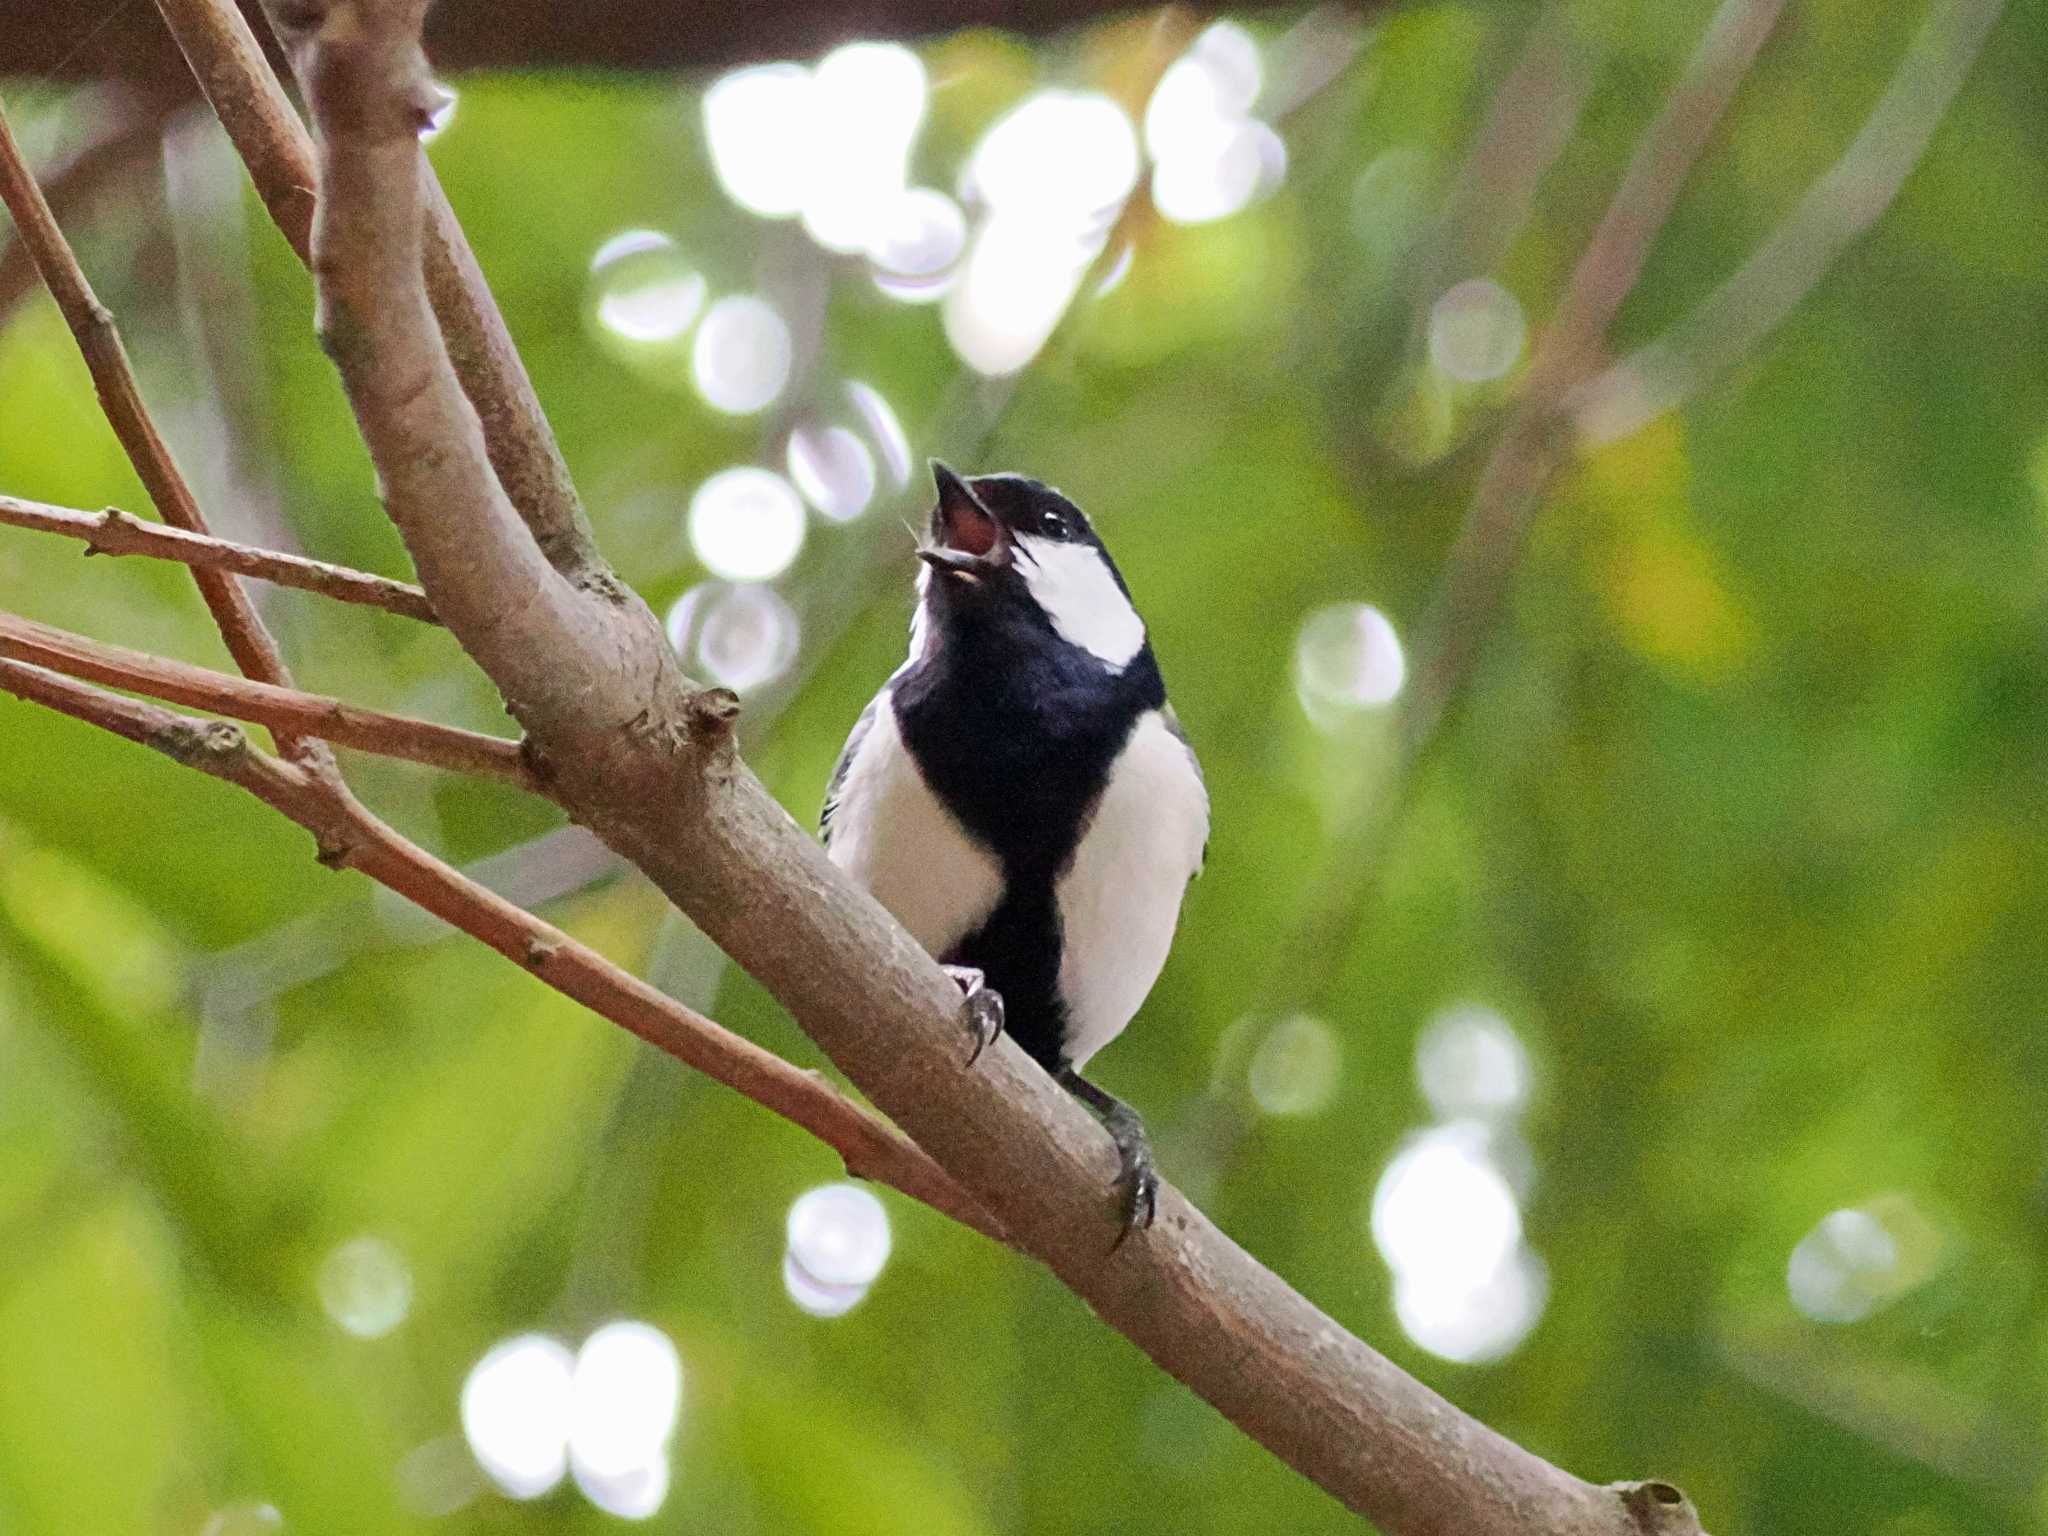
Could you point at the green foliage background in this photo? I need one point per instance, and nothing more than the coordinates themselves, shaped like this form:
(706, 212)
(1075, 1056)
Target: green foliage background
(1741, 824)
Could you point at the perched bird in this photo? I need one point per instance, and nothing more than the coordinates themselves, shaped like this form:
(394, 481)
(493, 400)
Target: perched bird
(1019, 794)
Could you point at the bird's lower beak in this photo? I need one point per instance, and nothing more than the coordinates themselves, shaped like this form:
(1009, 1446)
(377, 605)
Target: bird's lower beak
(966, 538)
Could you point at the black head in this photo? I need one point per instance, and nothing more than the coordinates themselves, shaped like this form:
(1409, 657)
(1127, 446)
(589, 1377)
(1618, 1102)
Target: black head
(1009, 548)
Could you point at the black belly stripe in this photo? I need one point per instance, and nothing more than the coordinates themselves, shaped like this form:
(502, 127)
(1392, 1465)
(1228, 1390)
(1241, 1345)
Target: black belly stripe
(1018, 949)
(1016, 733)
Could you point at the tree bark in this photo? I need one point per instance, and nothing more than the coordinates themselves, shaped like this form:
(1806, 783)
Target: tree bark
(639, 754)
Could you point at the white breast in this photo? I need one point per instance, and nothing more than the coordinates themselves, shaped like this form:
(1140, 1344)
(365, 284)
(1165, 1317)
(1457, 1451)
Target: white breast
(894, 837)
(1120, 898)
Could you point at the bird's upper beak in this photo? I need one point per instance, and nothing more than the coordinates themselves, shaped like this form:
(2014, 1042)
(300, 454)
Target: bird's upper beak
(966, 538)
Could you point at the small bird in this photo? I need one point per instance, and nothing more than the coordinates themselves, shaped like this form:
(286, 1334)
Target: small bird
(1019, 794)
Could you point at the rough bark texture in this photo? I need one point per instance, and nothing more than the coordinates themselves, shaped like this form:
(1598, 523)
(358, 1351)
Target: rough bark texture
(636, 752)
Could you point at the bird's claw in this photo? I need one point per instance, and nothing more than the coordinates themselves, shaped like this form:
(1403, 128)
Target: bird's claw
(1137, 1184)
(981, 1008)
(1137, 1176)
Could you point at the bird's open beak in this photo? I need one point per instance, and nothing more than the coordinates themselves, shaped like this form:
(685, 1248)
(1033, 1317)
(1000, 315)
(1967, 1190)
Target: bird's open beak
(967, 539)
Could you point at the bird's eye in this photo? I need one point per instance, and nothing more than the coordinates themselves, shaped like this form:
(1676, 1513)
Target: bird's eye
(1054, 526)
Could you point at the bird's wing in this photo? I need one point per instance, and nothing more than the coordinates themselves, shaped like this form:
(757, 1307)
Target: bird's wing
(1173, 724)
(846, 753)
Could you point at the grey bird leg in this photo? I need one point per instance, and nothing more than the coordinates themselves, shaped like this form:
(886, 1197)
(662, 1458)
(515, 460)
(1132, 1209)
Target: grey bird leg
(1138, 1180)
(981, 1008)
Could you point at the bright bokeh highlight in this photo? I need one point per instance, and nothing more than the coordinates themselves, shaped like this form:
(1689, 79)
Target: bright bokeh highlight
(1211, 158)
(635, 1493)
(740, 635)
(1480, 1324)
(1069, 157)
(645, 292)
(1297, 1067)
(884, 429)
(366, 1287)
(869, 100)
(829, 144)
(746, 524)
(1469, 1062)
(833, 469)
(623, 1405)
(1050, 176)
(1476, 331)
(1347, 658)
(759, 123)
(838, 1240)
(916, 243)
(1448, 1225)
(533, 1412)
(742, 356)
(515, 1413)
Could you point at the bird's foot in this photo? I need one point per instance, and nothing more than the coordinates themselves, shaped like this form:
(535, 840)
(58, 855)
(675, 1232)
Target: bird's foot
(1137, 1179)
(981, 1008)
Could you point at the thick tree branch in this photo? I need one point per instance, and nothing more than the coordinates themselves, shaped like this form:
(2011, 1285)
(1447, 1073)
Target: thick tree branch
(350, 836)
(114, 532)
(241, 627)
(229, 65)
(1835, 212)
(645, 760)
(284, 710)
(555, 648)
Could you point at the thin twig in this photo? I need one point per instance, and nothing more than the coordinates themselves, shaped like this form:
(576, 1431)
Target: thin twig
(637, 756)
(229, 64)
(1731, 322)
(1528, 454)
(283, 710)
(1528, 123)
(114, 532)
(124, 139)
(241, 627)
(1526, 457)
(349, 836)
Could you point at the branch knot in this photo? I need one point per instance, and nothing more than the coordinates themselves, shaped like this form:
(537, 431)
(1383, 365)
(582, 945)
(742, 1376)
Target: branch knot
(213, 746)
(712, 712)
(1658, 1508)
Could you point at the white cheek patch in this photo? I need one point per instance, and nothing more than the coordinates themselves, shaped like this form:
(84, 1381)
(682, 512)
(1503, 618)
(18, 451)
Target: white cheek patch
(1073, 584)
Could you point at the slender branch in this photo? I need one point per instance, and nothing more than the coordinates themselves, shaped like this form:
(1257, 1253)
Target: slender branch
(120, 397)
(1528, 123)
(1835, 212)
(124, 140)
(114, 532)
(1529, 451)
(228, 62)
(350, 836)
(646, 760)
(285, 710)
(1523, 462)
